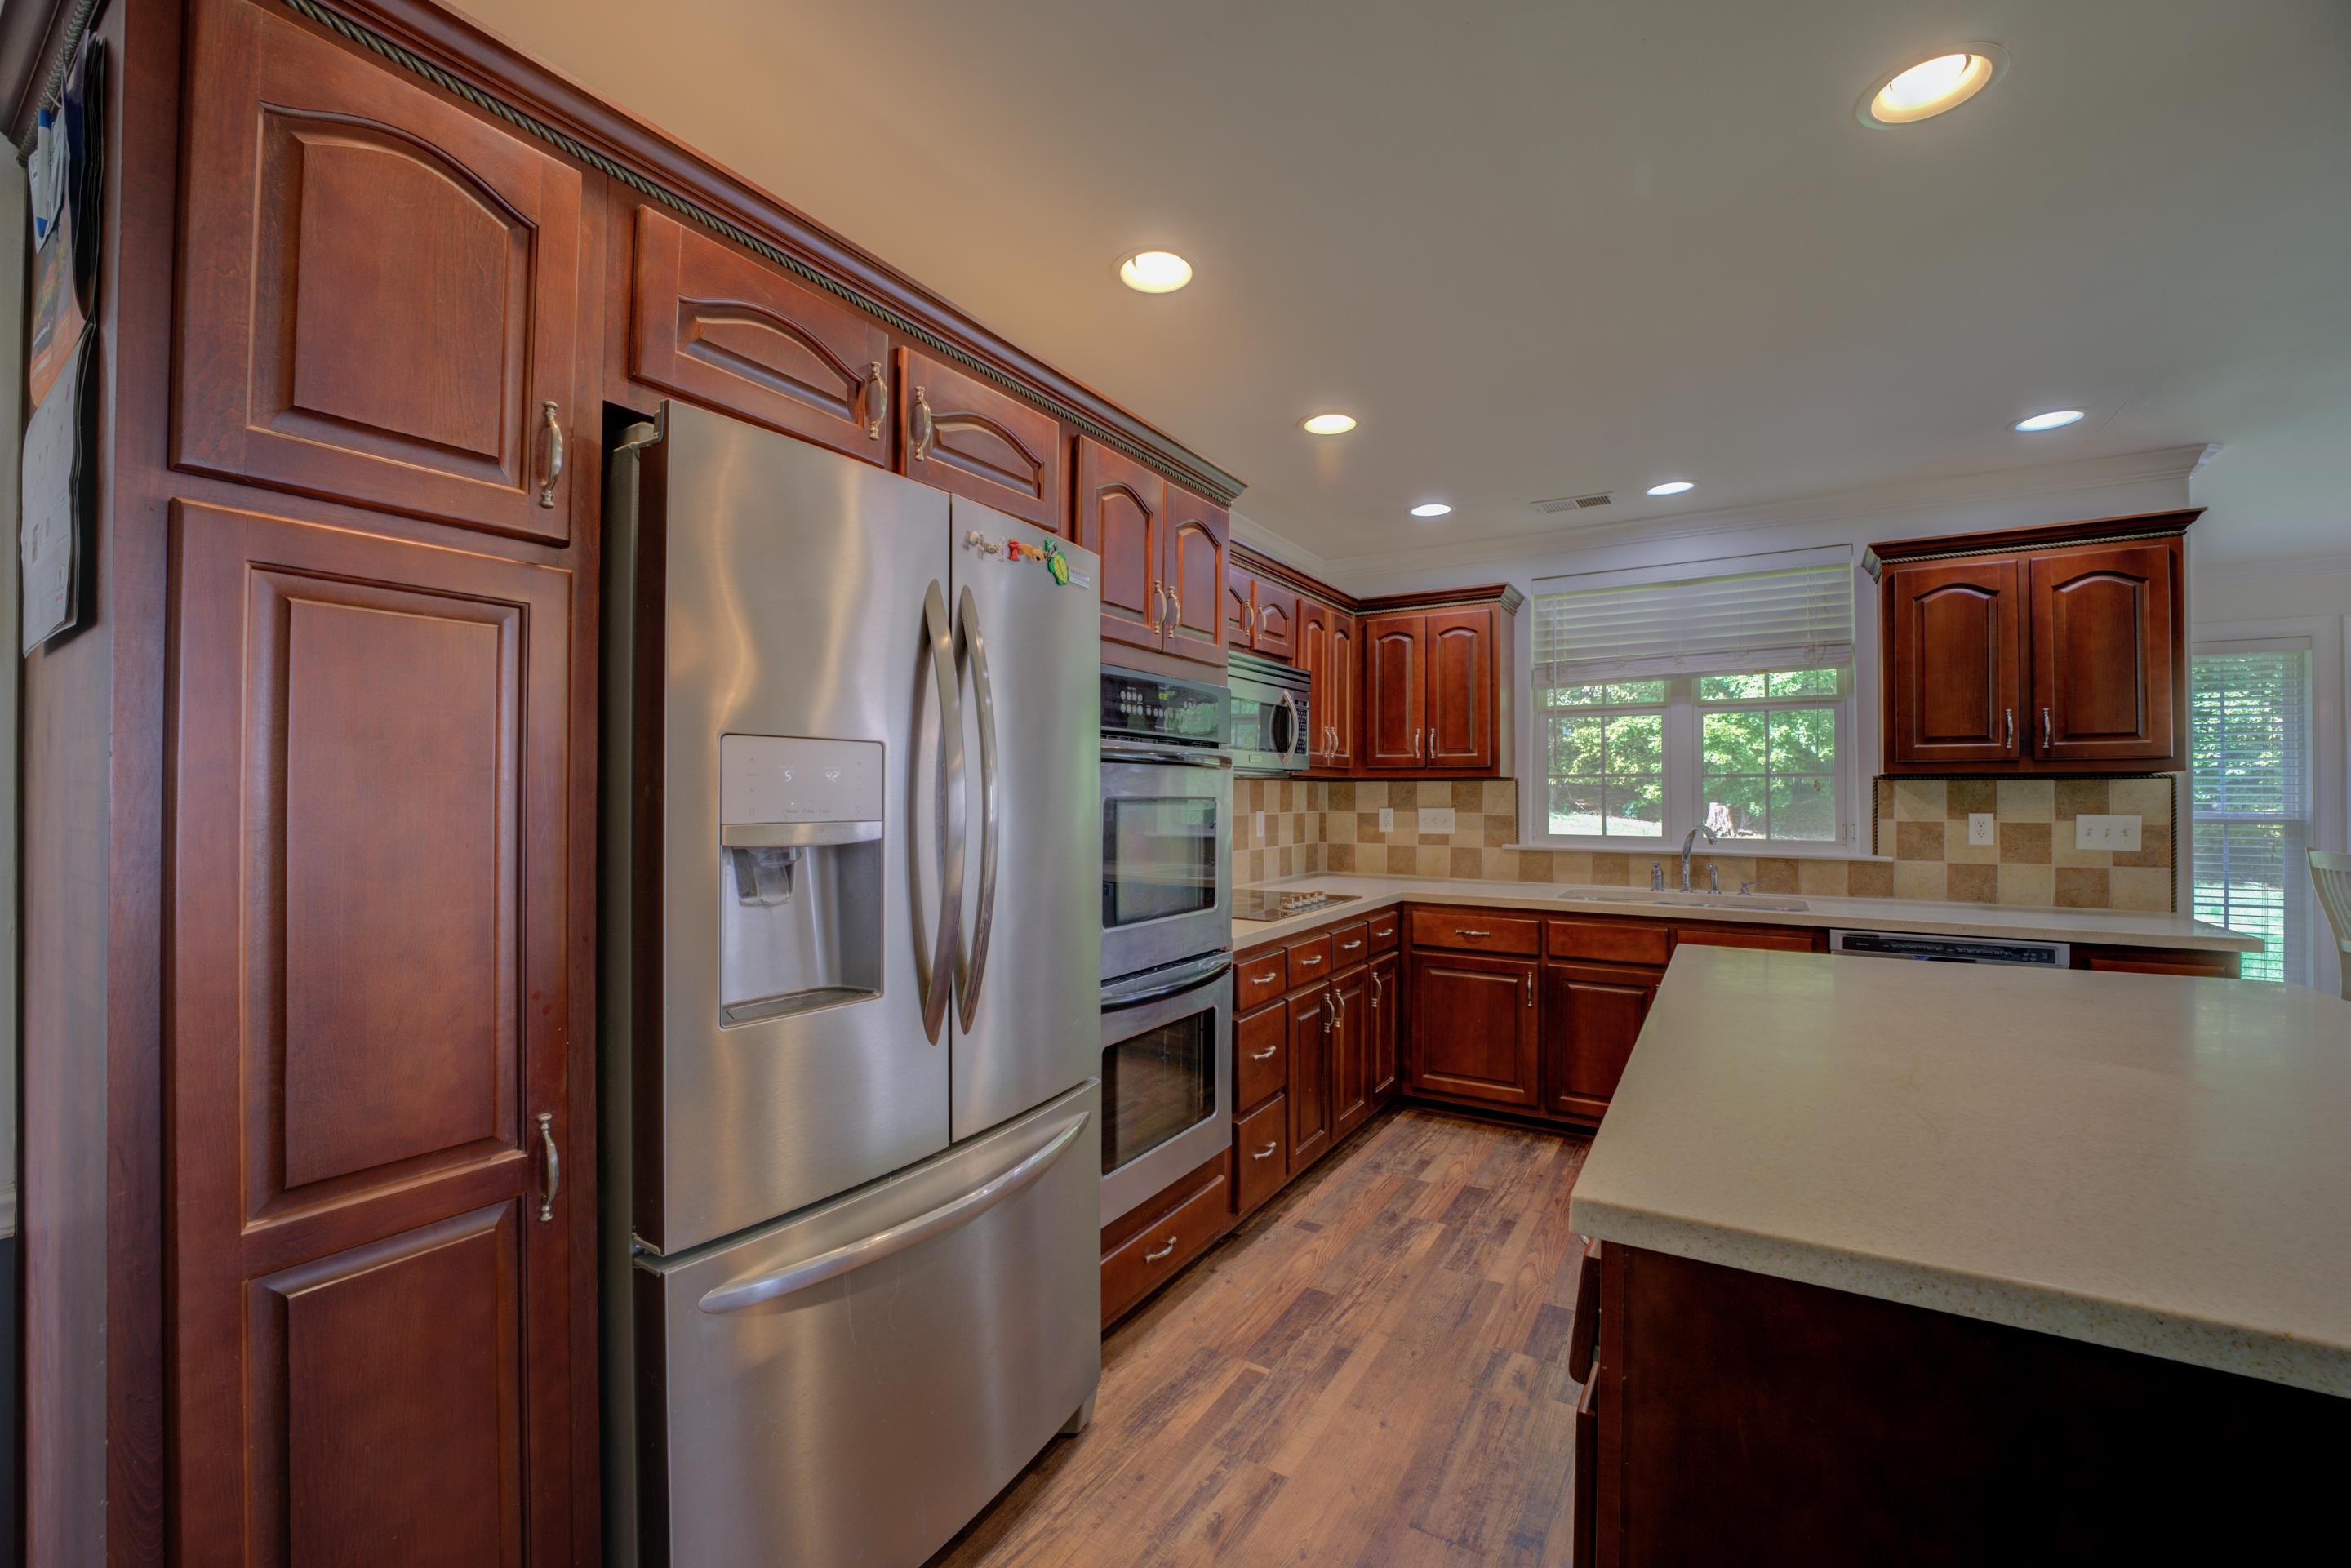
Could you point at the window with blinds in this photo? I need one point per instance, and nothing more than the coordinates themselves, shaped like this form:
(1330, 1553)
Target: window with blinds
(1723, 698)
(2249, 743)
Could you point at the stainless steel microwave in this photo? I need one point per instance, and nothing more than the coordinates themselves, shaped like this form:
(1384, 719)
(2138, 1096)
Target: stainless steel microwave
(1269, 716)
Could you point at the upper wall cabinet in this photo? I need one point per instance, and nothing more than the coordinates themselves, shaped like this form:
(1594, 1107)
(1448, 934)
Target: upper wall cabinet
(2038, 651)
(1163, 558)
(710, 323)
(380, 293)
(1199, 537)
(1436, 691)
(968, 437)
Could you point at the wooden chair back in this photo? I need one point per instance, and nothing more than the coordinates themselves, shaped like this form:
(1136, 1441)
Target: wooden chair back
(2330, 873)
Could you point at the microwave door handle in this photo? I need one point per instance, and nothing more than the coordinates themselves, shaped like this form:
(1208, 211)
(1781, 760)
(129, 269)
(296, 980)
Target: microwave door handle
(934, 969)
(971, 968)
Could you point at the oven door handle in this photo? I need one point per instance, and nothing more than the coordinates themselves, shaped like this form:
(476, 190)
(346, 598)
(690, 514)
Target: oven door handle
(1192, 977)
(1128, 751)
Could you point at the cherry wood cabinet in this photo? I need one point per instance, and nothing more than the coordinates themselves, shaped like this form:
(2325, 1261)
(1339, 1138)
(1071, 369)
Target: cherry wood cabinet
(382, 294)
(971, 438)
(1473, 1027)
(1434, 695)
(1163, 554)
(1396, 693)
(370, 1083)
(1199, 537)
(2037, 651)
(1385, 1007)
(1327, 652)
(719, 327)
(1463, 700)
(1152, 1243)
(1592, 1014)
(1260, 616)
(1350, 1076)
(1260, 1154)
(1312, 1016)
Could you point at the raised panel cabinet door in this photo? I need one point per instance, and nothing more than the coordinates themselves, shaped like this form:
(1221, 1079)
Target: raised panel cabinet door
(1240, 608)
(369, 931)
(381, 294)
(1312, 1024)
(2108, 653)
(1351, 1039)
(1473, 1027)
(1458, 645)
(1591, 1017)
(1394, 732)
(1342, 680)
(1314, 658)
(1199, 537)
(1384, 1005)
(1275, 625)
(1122, 518)
(1954, 683)
(973, 440)
(726, 330)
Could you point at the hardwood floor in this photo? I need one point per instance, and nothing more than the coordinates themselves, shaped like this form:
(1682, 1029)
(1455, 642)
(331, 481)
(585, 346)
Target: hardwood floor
(1373, 1370)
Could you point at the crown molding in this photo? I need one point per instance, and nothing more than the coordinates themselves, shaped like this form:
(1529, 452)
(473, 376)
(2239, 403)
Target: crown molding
(1875, 503)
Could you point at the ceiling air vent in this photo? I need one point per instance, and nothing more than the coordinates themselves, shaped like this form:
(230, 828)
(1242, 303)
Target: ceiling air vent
(1576, 503)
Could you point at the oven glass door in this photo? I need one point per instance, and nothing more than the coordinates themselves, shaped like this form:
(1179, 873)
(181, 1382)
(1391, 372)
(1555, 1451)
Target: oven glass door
(1167, 1093)
(1166, 890)
(1158, 1085)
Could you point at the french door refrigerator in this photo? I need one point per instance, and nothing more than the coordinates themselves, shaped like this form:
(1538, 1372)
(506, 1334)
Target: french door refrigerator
(851, 1033)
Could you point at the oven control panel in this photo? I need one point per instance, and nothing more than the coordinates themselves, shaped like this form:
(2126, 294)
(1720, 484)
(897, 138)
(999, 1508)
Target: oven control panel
(1161, 708)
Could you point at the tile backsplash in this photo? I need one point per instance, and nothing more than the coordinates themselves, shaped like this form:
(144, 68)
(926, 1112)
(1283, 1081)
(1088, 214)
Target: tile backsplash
(1921, 824)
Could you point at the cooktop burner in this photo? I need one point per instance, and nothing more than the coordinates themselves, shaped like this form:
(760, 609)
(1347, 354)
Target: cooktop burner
(1281, 903)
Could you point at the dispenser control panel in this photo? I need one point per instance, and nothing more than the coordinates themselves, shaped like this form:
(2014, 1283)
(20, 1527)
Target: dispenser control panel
(797, 778)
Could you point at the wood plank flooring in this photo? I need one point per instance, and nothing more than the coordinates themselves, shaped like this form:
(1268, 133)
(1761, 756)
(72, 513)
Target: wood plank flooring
(1373, 1370)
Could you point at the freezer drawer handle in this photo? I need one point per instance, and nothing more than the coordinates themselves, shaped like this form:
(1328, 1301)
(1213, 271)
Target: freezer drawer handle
(742, 1293)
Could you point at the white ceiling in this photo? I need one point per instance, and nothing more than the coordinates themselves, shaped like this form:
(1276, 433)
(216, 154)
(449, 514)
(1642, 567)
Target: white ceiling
(1540, 247)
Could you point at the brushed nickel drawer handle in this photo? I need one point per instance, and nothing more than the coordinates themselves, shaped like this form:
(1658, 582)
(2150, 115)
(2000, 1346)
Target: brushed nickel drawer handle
(1268, 1054)
(1463, 930)
(1349, 946)
(1163, 1252)
(554, 1162)
(554, 454)
(1266, 1153)
(877, 400)
(1311, 958)
(1385, 931)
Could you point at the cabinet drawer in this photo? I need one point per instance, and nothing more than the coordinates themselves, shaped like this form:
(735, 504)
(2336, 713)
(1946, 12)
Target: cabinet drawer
(1607, 941)
(1260, 1154)
(1259, 977)
(1349, 945)
(1310, 959)
(1260, 1055)
(1384, 927)
(1769, 938)
(1476, 931)
(1150, 1257)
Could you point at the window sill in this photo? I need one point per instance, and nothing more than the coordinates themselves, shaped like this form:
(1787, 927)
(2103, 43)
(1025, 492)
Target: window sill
(1750, 849)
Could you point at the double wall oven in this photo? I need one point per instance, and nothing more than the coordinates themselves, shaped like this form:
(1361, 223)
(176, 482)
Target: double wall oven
(1167, 912)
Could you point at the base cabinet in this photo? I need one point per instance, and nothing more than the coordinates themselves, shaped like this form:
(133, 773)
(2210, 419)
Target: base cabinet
(1312, 1114)
(1144, 1249)
(1385, 1005)
(1592, 1014)
(1473, 1027)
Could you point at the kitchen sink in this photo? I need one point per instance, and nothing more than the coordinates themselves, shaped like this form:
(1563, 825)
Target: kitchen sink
(1685, 900)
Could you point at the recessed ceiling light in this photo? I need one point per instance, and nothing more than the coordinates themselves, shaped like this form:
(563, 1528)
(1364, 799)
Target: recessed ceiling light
(1934, 86)
(1672, 487)
(1431, 510)
(1330, 424)
(2055, 419)
(1155, 272)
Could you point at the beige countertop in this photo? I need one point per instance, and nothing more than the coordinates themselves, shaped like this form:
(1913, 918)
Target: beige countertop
(2157, 1164)
(1865, 914)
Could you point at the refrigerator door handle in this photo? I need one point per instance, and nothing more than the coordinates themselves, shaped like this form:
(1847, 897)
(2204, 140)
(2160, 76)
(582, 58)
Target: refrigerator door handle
(971, 968)
(935, 977)
(739, 1294)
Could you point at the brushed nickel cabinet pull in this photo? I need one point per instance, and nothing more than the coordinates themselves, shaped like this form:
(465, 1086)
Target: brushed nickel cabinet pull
(1268, 1054)
(1174, 607)
(1349, 946)
(1158, 605)
(2044, 731)
(554, 454)
(1248, 619)
(553, 1163)
(1529, 978)
(877, 400)
(924, 426)
(1266, 1153)
(1310, 958)
(1163, 1252)
(2011, 727)
(1377, 990)
(1465, 931)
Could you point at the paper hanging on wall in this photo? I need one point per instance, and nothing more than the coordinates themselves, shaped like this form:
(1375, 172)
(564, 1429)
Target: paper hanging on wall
(55, 529)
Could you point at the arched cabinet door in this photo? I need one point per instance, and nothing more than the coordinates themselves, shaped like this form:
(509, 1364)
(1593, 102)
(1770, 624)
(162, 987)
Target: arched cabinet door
(2106, 632)
(970, 439)
(1199, 537)
(381, 294)
(1954, 689)
(1122, 517)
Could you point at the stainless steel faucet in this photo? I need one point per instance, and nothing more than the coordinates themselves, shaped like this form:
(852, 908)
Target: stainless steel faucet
(1690, 841)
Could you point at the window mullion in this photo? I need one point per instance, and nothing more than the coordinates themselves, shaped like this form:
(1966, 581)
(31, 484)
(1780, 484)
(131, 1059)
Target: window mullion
(1684, 761)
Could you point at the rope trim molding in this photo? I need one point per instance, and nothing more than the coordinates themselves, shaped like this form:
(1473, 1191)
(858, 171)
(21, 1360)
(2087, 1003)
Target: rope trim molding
(1221, 490)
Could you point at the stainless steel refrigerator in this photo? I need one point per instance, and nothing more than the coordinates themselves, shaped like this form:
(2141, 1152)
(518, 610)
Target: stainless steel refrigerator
(849, 1025)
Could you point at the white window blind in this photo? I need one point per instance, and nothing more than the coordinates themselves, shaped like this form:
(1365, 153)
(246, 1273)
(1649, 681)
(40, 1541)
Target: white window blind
(1793, 618)
(2249, 725)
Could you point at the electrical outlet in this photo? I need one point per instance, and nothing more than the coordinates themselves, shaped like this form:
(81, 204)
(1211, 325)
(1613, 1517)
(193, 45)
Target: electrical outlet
(1435, 820)
(1981, 829)
(1258, 830)
(1387, 820)
(2106, 832)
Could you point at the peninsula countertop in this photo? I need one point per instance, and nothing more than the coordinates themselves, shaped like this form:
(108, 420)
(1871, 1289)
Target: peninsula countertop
(2017, 921)
(2147, 1162)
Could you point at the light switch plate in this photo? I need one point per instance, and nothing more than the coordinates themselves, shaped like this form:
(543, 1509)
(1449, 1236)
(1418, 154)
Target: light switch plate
(2106, 832)
(1387, 820)
(1981, 829)
(1435, 820)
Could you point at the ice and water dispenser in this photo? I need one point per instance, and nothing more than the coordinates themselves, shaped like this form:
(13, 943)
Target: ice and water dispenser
(799, 890)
